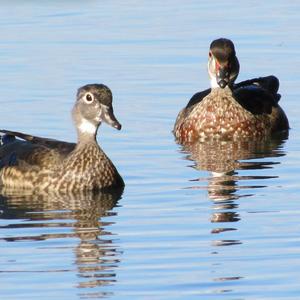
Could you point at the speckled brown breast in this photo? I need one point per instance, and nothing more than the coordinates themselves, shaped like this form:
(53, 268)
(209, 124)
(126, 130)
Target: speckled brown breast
(86, 168)
(219, 116)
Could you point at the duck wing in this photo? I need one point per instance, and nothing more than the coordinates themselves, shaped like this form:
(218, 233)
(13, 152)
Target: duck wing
(268, 83)
(62, 146)
(19, 148)
(258, 95)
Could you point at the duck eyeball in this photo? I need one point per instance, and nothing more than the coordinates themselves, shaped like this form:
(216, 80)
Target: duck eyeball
(89, 98)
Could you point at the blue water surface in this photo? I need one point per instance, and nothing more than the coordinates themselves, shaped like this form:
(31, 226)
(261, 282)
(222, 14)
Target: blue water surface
(178, 231)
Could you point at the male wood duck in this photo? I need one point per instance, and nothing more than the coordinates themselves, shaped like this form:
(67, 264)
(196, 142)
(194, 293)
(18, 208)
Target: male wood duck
(43, 164)
(227, 110)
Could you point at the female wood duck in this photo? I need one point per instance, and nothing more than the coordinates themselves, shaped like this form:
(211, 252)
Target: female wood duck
(38, 163)
(248, 109)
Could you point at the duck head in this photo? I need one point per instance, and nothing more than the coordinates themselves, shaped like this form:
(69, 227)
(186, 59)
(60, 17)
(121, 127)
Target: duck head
(223, 65)
(93, 106)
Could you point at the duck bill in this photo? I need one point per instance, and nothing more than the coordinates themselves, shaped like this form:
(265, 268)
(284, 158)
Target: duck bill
(223, 75)
(107, 116)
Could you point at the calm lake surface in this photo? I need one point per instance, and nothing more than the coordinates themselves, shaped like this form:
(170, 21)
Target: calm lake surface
(180, 230)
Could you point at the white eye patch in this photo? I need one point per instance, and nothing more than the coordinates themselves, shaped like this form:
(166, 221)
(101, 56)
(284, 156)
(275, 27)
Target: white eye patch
(88, 98)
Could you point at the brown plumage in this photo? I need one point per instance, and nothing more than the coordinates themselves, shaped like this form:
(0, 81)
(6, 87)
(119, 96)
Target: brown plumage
(44, 164)
(231, 111)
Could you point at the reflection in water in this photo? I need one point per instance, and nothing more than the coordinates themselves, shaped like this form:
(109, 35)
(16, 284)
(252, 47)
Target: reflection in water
(96, 256)
(224, 160)
(224, 157)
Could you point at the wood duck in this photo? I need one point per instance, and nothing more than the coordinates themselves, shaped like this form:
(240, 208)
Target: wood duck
(248, 109)
(36, 163)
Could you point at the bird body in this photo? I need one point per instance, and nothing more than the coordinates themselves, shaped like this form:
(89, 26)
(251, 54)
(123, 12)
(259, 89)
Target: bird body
(36, 163)
(227, 110)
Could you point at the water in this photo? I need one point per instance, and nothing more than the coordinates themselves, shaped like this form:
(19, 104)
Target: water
(180, 230)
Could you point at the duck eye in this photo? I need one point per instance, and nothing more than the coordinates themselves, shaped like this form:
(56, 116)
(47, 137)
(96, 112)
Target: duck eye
(89, 98)
(209, 54)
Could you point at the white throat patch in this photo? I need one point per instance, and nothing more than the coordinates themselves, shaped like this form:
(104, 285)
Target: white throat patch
(211, 74)
(213, 83)
(87, 127)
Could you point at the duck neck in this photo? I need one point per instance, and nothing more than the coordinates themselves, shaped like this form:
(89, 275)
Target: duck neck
(213, 83)
(86, 132)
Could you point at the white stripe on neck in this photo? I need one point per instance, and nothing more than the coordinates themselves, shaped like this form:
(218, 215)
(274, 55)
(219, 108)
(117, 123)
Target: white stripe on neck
(87, 127)
(213, 83)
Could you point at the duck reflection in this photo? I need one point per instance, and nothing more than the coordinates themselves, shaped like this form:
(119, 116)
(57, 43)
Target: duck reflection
(225, 160)
(80, 215)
